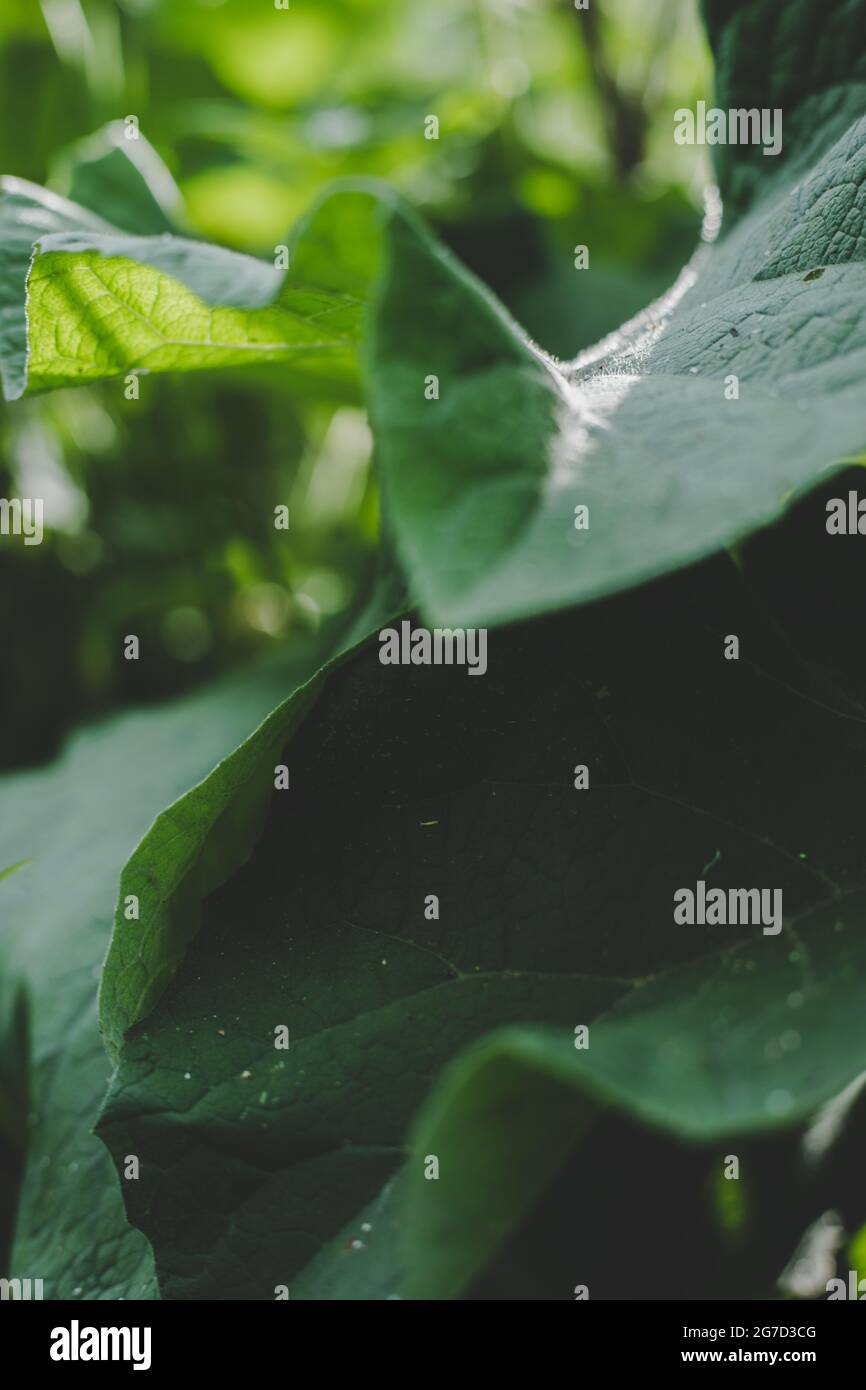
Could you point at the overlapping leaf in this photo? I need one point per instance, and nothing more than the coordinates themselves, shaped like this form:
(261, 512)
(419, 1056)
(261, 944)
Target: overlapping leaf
(555, 904)
(77, 822)
(690, 427)
(555, 907)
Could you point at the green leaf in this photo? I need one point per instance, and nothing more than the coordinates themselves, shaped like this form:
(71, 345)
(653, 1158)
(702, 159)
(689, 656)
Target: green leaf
(27, 212)
(80, 819)
(191, 848)
(557, 902)
(808, 59)
(121, 177)
(483, 482)
(104, 304)
(555, 908)
(362, 1261)
(639, 430)
(731, 1044)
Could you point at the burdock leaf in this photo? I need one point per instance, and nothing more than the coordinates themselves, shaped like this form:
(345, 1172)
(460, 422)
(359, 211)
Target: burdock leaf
(79, 820)
(807, 59)
(269, 1087)
(476, 884)
(741, 1041)
(189, 851)
(517, 484)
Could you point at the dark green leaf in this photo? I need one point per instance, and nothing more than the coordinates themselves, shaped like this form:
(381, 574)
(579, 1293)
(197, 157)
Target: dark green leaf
(556, 908)
(79, 820)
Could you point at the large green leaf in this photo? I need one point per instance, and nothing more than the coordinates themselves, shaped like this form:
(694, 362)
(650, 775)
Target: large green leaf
(556, 903)
(807, 58)
(484, 468)
(77, 821)
(556, 908)
(740, 1041)
(192, 848)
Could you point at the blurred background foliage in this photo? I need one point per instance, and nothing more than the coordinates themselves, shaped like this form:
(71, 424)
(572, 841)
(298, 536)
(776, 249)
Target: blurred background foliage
(555, 130)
